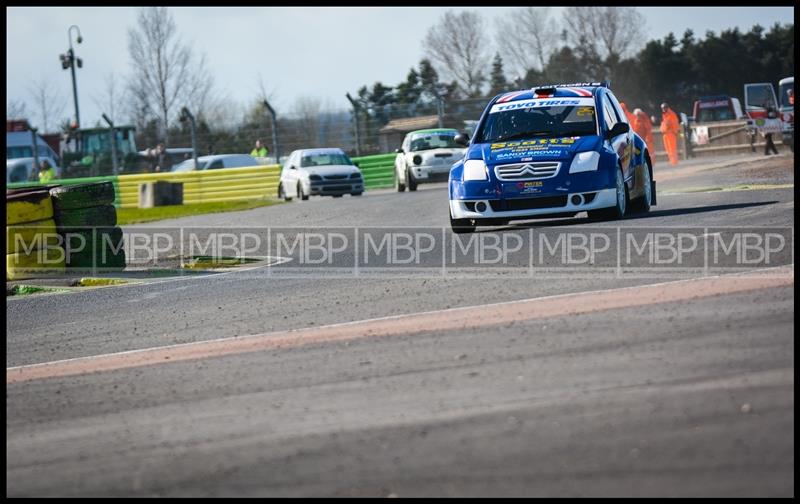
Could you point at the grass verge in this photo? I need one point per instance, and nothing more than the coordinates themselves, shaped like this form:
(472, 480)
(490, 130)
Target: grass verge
(140, 215)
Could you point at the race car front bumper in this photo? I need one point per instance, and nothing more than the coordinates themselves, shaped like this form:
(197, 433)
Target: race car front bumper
(540, 205)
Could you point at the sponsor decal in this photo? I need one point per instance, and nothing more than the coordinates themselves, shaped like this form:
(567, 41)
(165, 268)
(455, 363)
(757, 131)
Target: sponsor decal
(542, 143)
(542, 102)
(586, 111)
(529, 187)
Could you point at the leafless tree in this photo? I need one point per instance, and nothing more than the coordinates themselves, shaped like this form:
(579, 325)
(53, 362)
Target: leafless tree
(15, 109)
(613, 32)
(458, 46)
(526, 38)
(166, 75)
(48, 102)
(307, 111)
(113, 98)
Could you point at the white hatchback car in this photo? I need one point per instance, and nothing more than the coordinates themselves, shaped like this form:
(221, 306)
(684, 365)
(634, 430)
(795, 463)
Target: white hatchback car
(426, 156)
(323, 172)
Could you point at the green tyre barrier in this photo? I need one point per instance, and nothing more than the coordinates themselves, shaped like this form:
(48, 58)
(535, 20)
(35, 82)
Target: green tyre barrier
(28, 206)
(82, 195)
(96, 216)
(31, 235)
(94, 248)
(37, 263)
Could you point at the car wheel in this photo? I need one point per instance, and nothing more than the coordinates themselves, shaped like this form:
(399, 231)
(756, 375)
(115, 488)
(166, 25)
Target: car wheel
(621, 206)
(397, 184)
(300, 194)
(412, 184)
(643, 204)
(356, 194)
(282, 194)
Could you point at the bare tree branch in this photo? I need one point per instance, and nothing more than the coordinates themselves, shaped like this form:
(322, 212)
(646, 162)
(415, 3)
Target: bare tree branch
(458, 45)
(15, 109)
(611, 31)
(113, 96)
(48, 103)
(166, 74)
(526, 38)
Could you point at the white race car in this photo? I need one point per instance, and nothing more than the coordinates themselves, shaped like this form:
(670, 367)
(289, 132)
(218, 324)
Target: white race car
(426, 156)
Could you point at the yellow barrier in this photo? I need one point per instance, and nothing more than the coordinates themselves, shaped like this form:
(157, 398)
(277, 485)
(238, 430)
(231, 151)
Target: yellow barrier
(227, 184)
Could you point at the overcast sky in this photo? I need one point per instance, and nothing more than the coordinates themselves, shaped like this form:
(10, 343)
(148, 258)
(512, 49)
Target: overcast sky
(320, 52)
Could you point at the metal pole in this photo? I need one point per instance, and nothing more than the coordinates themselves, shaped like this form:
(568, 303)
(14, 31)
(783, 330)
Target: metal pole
(274, 131)
(35, 174)
(355, 115)
(74, 87)
(185, 114)
(72, 67)
(113, 145)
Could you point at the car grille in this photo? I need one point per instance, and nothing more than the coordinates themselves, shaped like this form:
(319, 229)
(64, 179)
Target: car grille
(527, 171)
(528, 203)
(335, 177)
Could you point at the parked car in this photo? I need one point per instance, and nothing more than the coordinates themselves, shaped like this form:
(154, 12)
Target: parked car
(716, 108)
(322, 172)
(554, 150)
(22, 169)
(425, 156)
(761, 102)
(216, 162)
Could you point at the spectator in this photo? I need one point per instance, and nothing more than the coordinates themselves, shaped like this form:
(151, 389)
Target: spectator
(46, 172)
(643, 127)
(163, 163)
(670, 128)
(772, 115)
(630, 116)
(260, 150)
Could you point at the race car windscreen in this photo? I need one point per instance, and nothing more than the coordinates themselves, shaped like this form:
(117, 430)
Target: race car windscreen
(434, 141)
(327, 159)
(521, 123)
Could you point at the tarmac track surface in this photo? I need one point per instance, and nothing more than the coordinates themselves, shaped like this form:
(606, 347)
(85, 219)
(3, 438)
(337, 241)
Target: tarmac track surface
(689, 393)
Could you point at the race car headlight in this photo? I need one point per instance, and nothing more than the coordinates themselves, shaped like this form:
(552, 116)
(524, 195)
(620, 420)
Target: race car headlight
(584, 162)
(475, 169)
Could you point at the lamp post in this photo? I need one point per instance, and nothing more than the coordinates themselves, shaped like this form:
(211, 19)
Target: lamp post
(68, 61)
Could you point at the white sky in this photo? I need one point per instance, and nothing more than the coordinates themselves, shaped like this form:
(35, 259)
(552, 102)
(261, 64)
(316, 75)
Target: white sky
(321, 52)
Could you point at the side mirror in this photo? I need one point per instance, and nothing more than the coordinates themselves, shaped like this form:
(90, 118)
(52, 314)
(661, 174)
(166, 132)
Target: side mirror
(462, 139)
(619, 129)
(399, 150)
(292, 167)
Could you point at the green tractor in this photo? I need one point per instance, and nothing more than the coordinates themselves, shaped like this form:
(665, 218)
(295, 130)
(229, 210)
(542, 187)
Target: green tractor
(89, 152)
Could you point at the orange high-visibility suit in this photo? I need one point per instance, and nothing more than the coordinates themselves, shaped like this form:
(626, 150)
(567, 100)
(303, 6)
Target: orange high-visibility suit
(670, 128)
(631, 117)
(643, 126)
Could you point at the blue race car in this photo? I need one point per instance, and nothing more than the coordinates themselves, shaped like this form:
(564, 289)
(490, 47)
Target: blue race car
(551, 151)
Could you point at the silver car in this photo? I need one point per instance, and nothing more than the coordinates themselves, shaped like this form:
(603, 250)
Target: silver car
(322, 172)
(216, 162)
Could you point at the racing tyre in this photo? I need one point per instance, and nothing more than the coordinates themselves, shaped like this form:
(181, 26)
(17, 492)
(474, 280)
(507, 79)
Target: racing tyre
(618, 210)
(643, 204)
(28, 206)
(300, 194)
(97, 216)
(399, 186)
(68, 197)
(282, 194)
(37, 263)
(105, 252)
(412, 184)
(31, 235)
